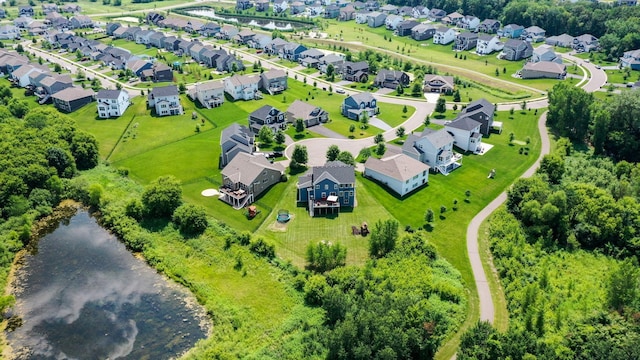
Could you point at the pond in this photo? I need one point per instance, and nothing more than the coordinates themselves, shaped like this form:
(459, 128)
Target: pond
(267, 24)
(82, 295)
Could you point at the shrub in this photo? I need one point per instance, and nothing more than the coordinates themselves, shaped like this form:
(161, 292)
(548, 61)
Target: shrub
(190, 219)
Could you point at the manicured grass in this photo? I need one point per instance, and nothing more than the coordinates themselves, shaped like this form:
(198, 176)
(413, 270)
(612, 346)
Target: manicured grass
(293, 237)
(622, 77)
(501, 314)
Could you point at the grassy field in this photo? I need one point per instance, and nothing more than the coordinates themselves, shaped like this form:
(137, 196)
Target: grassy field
(622, 77)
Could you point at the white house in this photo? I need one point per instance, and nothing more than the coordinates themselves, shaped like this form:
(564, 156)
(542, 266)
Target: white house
(434, 148)
(469, 22)
(545, 53)
(401, 173)
(362, 17)
(209, 94)
(242, 87)
(20, 76)
(280, 6)
(444, 35)
(112, 103)
(392, 21)
(9, 32)
(488, 43)
(466, 134)
(165, 100)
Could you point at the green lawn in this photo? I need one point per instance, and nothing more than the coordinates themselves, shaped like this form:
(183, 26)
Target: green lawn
(621, 76)
(293, 237)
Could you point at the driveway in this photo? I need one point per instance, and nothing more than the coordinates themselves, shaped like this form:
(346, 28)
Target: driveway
(374, 121)
(321, 130)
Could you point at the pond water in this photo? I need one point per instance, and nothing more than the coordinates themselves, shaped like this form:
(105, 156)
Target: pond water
(82, 295)
(267, 24)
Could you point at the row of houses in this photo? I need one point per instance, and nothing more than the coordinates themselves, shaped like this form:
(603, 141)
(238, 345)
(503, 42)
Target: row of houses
(52, 20)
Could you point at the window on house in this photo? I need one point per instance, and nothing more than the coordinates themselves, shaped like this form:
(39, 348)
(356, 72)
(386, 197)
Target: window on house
(326, 186)
(335, 186)
(317, 187)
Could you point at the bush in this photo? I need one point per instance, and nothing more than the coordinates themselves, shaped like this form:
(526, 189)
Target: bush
(190, 219)
(263, 248)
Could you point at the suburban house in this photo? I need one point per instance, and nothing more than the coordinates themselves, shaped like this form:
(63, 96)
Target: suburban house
(138, 65)
(275, 46)
(243, 4)
(72, 98)
(391, 79)
(235, 139)
(260, 41)
(466, 134)
(267, 116)
(444, 35)
(405, 28)
(392, 21)
(9, 32)
(362, 17)
(315, 9)
(247, 176)
(389, 9)
(25, 11)
(376, 19)
(327, 188)
(543, 69)
(227, 32)
(438, 84)
(22, 22)
(263, 5)
(165, 100)
(112, 103)
(210, 94)
(20, 76)
(436, 15)
(481, 111)
(512, 31)
(291, 51)
(423, 32)
(242, 87)
(631, 59)
(49, 8)
(81, 21)
(310, 114)
(209, 29)
(488, 44)
(71, 8)
(515, 50)
(273, 81)
(332, 11)
(534, 34)
(564, 40)
(358, 71)
(310, 58)
(452, 18)
(154, 17)
(159, 72)
(434, 148)
(585, 43)
(399, 172)
(545, 53)
(243, 36)
(280, 6)
(469, 22)
(335, 60)
(347, 13)
(356, 106)
(489, 26)
(372, 5)
(297, 7)
(465, 41)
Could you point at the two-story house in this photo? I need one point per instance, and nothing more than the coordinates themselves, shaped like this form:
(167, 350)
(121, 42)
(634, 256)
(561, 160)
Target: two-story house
(72, 98)
(564, 40)
(442, 84)
(347, 13)
(242, 87)
(465, 41)
(434, 148)
(25, 11)
(356, 106)
(9, 32)
(469, 22)
(586, 43)
(310, 58)
(112, 103)
(280, 6)
(267, 116)
(545, 53)
(325, 189)
(423, 32)
(210, 94)
(452, 19)
(246, 177)
(631, 59)
(335, 60)
(515, 50)
(331, 12)
(436, 15)
(489, 26)
(481, 111)
(420, 12)
(488, 43)
(400, 173)
(534, 34)
(512, 31)
(355, 71)
(405, 28)
(466, 134)
(165, 100)
(376, 19)
(235, 139)
(391, 79)
(291, 51)
(81, 21)
(391, 22)
(273, 81)
(310, 114)
(444, 35)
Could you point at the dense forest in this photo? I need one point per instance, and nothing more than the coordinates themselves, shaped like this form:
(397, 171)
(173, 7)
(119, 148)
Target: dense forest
(618, 27)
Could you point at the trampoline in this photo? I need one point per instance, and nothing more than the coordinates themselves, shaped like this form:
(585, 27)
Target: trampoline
(283, 216)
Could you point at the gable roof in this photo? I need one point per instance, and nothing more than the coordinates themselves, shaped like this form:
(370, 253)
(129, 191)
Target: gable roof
(263, 112)
(479, 105)
(300, 109)
(170, 90)
(545, 66)
(438, 138)
(336, 171)
(274, 74)
(245, 168)
(73, 93)
(362, 97)
(398, 166)
(109, 94)
(463, 123)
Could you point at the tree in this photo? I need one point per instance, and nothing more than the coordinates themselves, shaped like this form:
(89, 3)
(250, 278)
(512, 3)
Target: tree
(280, 137)
(416, 89)
(512, 137)
(299, 125)
(441, 105)
(400, 90)
(364, 154)
(84, 148)
(383, 238)
(330, 70)
(379, 138)
(332, 152)
(347, 158)
(381, 148)
(162, 197)
(182, 88)
(456, 96)
(190, 219)
(481, 342)
(352, 128)
(404, 109)
(624, 286)
(325, 256)
(569, 111)
(427, 121)
(265, 135)
(429, 216)
(553, 166)
(300, 155)
(19, 48)
(364, 119)
(400, 132)
(18, 108)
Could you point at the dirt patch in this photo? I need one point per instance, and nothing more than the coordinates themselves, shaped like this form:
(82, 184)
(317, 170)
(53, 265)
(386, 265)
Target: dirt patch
(277, 226)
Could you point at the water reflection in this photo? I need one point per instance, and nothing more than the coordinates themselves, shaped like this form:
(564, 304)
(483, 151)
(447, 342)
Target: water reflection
(84, 296)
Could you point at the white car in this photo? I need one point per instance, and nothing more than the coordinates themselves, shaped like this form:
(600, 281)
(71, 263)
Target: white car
(340, 91)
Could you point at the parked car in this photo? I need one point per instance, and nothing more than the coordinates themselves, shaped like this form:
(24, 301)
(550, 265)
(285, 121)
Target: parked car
(340, 91)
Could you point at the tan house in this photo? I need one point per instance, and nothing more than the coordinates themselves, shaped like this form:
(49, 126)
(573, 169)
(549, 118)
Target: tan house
(438, 84)
(247, 176)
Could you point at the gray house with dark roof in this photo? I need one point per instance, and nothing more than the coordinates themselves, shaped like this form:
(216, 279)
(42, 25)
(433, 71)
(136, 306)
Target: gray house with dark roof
(434, 148)
(356, 106)
(405, 28)
(165, 100)
(310, 114)
(267, 116)
(481, 111)
(423, 32)
(466, 133)
(515, 50)
(273, 81)
(391, 79)
(72, 98)
(247, 176)
(465, 41)
(235, 139)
